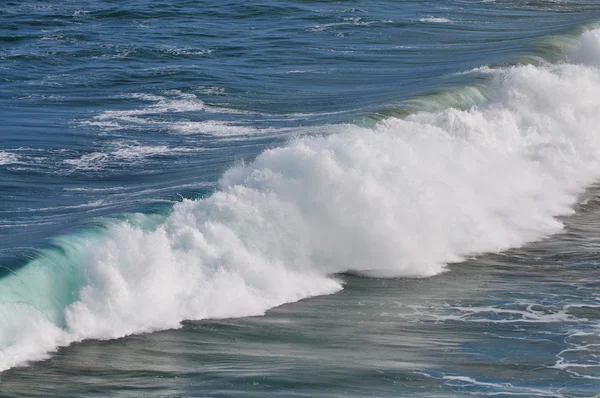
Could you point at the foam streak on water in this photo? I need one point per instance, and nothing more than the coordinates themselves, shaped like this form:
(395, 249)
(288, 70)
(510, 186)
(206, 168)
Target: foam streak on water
(404, 198)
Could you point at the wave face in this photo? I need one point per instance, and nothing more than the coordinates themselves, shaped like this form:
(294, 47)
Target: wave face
(401, 199)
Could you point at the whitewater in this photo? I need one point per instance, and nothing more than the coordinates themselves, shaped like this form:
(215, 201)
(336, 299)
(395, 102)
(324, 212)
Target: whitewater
(402, 198)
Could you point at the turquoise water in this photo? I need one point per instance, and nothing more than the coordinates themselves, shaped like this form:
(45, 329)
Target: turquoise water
(299, 198)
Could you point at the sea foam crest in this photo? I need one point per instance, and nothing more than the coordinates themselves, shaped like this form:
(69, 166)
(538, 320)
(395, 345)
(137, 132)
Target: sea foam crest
(404, 198)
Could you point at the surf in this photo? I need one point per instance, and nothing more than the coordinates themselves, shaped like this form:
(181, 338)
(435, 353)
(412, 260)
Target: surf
(403, 198)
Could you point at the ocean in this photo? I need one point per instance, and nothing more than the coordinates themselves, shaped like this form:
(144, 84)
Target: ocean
(302, 198)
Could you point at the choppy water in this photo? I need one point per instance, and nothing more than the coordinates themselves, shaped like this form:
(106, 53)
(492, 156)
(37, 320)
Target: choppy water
(299, 198)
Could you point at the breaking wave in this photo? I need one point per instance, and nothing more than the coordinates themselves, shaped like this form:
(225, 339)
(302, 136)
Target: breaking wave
(404, 199)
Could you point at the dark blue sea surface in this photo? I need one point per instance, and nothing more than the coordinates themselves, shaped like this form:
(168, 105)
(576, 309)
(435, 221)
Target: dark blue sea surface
(299, 198)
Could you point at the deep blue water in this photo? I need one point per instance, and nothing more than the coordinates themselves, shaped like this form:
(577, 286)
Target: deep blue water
(307, 198)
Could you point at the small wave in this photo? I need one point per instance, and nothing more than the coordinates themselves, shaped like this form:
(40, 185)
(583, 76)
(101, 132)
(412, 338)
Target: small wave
(215, 128)
(87, 189)
(436, 20)
(91, 204)
(492, 388)
(345, 23)
(177, 101)
(7, 158)
(519, 313)
(123, 153)
(170, 102)
(483, 70)
(172, 50)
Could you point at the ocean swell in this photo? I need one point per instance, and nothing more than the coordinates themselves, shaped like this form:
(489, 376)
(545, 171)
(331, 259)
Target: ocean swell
(402, 199)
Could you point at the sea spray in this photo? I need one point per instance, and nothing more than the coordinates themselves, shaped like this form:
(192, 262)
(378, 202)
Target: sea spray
(402, 199)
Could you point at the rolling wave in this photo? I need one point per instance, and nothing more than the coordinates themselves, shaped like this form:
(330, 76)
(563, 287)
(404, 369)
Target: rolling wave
(402, 199)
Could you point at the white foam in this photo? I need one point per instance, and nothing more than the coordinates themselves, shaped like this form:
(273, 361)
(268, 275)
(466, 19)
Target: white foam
(431, 19)
(173, 50)
(90, 204)
(587, 51)
(499, 388)
(153, 115)
(483, 70)
(348, 21)
(25, 335)
(517, 314)
(86, 189)
(580, 359)
(404, 198)
(124, 153)
(214, 128)
(173, 101)
(8, 158)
